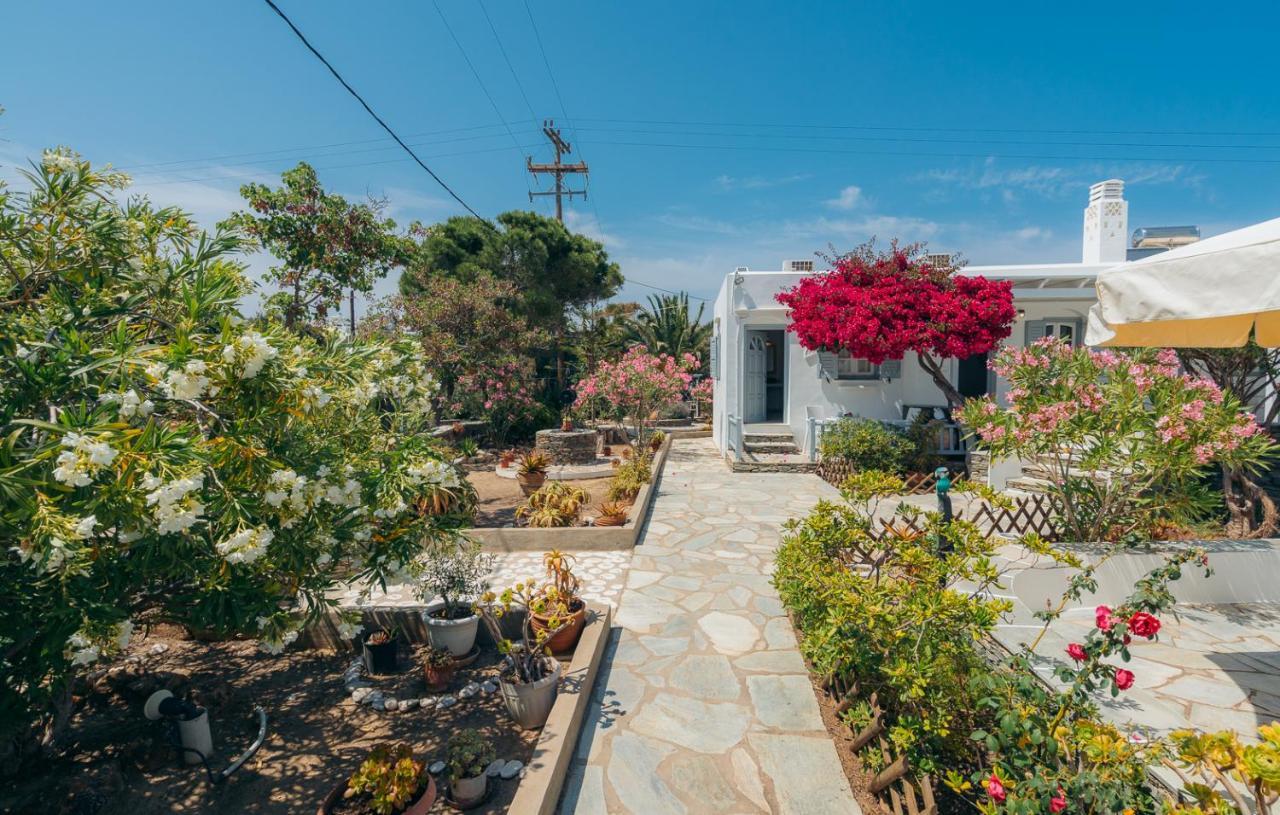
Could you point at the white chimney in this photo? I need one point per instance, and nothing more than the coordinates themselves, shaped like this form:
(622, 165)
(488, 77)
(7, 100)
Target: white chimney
(1106, 223)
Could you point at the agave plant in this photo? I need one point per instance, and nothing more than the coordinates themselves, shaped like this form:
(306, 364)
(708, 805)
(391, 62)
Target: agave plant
(556, 504)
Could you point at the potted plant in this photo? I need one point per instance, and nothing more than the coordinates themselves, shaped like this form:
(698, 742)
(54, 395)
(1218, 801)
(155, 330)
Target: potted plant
(390, 781)
(656, 440)
(562, 611)
(530, 676)
(455, 577)
(380, 649)
(507, 458)
(438, 668)
(531, 472)
(468, 756)
(612, 513)
(606, 451)
(566, 425)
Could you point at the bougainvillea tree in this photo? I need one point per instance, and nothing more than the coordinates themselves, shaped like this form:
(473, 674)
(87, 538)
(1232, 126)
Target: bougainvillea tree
(880, 305)
(637, 386)
(165, 460)
(1126, 438)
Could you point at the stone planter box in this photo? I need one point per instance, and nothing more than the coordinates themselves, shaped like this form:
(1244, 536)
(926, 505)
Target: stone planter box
(568, 446)
(579, 538)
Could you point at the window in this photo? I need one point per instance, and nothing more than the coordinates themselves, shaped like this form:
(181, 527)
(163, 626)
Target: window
(851, 367)
(1062, 331)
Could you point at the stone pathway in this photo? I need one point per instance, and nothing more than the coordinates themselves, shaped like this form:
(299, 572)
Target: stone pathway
(704, 703)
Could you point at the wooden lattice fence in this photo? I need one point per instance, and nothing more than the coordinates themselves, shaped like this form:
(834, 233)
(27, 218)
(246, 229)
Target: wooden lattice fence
(1034, 512)
(835, 471)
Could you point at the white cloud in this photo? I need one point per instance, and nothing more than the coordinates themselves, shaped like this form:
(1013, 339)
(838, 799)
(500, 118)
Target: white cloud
(1052, 181)
(849, 197)
(589, 225)
(755, 182)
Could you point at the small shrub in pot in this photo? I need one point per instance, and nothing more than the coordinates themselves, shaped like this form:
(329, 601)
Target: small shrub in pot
(558, 600)
(456, 576)
(530, 677)
(389, 781)
(532, 472)
(468, 755)
(438, 668)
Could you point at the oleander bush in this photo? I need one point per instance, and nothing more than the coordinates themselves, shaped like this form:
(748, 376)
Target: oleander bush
(164, 459)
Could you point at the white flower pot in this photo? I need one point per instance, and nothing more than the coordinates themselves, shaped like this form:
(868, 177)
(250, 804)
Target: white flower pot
(455, 636)
(530, 704)
(468, 792)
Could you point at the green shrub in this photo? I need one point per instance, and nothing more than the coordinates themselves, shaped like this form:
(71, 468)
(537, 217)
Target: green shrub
(630, 476)
(868, 445)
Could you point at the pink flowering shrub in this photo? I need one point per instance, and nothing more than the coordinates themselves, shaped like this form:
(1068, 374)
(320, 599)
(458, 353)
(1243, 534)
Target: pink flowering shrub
(503, 395)
(1126, 438)
(637, 386)
(702, 394)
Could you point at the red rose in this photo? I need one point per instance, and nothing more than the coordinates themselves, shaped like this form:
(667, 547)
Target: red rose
(1143, 624)
(1102, 616)
(995, 788)
(1058, 802)
(1076, 651)
(1124, 679)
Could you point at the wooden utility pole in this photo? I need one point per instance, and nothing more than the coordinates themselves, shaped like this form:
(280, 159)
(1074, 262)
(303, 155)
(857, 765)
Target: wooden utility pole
(558, 169)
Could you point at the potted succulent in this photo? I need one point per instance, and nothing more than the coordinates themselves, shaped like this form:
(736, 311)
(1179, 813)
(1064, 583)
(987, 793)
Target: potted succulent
(507, 458)
(390, 781)
(438, 668)
(656, 440)
(530, 676)
(531, 472)
(559, 609)
(455, 577)
(612, 513)
(467, 757)
(380, 649)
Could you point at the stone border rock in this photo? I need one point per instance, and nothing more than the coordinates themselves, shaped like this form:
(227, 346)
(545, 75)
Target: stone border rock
(548, 767)
(579, 538)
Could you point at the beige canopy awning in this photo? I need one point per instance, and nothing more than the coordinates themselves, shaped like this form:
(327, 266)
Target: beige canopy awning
(1208, 294)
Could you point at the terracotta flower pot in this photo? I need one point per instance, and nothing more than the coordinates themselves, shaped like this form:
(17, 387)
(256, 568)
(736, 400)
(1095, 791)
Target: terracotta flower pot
(611, 520)
(438, 677)
(530, 482)
(566, 638)
(418, 807)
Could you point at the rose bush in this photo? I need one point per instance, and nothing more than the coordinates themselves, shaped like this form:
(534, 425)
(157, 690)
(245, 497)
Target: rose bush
(1128, 439)
(165, 460)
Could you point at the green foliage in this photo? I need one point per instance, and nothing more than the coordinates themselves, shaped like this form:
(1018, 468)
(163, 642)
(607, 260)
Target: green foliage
(391, 777)
(325, 244)
(469, 754)
(629, 477)
(899, 630)
(868, 445)
(667, 326)
(456, 575)
(1231, 775)
(163, 460)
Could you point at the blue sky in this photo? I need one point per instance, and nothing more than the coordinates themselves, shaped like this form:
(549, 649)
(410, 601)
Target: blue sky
(720, 134)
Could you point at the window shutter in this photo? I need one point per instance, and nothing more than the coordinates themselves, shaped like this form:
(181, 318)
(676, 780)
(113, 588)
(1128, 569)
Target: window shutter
(714, 358)
(891, 369)
(1077, 337)
(1034, 330)
(827, 364)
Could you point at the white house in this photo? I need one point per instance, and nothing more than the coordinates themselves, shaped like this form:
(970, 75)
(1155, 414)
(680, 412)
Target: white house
(767, 387)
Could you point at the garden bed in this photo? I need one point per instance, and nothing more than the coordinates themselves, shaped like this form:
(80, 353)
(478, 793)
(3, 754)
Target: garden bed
(497, 497)
(118, 762)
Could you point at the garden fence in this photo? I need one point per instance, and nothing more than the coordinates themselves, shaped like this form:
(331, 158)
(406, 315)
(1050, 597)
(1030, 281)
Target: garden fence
(1030, 513)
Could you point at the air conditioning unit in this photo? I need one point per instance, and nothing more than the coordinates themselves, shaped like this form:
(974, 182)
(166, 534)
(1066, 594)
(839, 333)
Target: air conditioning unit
(938, 259)
(797, 265)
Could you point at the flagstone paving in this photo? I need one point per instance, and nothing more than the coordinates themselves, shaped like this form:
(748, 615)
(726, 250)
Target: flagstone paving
(703, 703)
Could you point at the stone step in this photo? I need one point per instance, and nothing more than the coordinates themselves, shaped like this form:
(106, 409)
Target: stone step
(770, 447)
(1029, 484)
(748, 438)
(773, 463)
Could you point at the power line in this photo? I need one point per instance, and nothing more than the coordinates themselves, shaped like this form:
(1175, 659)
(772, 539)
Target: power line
(667, 291)
(533, 117)
(307, 147)
(1038, 157)
(802, 126)
(467, 59)
(375, 116)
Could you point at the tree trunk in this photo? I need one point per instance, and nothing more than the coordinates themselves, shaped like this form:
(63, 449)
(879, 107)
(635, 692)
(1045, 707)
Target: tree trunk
(352, 304)
(1252, 512)
(934, 369)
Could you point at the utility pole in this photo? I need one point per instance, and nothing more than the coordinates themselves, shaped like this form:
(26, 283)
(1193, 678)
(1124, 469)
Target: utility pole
(558, 169)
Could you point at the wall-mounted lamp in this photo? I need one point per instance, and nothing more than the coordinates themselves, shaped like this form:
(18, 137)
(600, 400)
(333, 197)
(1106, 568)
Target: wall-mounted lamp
(1022, 312)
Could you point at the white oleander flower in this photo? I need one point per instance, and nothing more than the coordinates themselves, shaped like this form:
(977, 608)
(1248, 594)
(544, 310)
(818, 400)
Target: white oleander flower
(131, 404)
(81, 650)
(314, 396)
(187, 383)
(275, 646)
(124, 632)
(246, 546)
(176, 508)
(84, 529)
(60, 160)
(253, 350)
(78, 465)
(348, 630)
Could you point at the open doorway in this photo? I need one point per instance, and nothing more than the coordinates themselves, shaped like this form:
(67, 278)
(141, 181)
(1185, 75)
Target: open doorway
(973, 377)
(764, 376)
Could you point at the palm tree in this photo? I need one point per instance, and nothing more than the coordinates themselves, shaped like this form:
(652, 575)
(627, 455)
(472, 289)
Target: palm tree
(664, 327)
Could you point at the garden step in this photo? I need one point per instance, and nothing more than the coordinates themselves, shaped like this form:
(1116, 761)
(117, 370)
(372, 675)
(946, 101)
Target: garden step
(749, 438)
(1029, 484)
(773, 463)
(770, 447)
